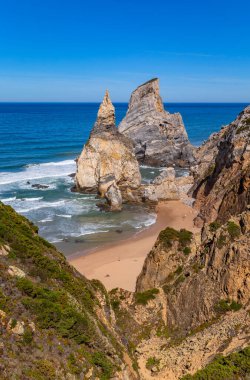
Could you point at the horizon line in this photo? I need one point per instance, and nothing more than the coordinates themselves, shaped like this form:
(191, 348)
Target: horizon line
(114, 102)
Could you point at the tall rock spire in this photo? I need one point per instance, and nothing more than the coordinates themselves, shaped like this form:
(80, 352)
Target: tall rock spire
(107, 164)
(106, 112)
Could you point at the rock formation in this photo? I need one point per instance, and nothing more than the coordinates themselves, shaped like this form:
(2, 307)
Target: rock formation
(107, 164)
(160, 138)
(168, 187)
(197, 285)
(222, 185)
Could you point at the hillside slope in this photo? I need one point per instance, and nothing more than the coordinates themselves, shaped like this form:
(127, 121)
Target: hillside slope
(54, 323)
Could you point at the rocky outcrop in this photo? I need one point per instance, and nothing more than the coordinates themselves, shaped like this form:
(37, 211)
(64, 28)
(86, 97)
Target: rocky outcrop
(107, 164)
(195, 276)
(160, 138)
(168, 187)
(222, 185)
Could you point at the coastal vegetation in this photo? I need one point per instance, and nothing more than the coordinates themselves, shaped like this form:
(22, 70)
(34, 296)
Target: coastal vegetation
(142, 298)
(169, 235)
(232, 367)
(51, 309)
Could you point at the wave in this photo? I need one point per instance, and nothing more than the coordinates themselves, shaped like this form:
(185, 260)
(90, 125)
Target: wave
(45, 220)
(11, 199)
(39, 171)
(64, 215)
(56, 241)
(31, 199)
(83, 233)
(24, 207)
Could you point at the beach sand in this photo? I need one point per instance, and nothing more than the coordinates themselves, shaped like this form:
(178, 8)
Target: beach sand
(119, 264)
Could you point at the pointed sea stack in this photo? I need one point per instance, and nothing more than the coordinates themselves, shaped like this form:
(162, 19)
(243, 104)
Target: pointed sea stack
(160, 137)
(107, 164)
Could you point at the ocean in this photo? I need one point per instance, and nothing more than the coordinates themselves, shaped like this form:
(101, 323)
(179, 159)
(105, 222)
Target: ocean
(38, 145)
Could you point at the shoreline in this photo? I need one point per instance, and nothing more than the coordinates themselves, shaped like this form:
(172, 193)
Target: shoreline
(119, 264)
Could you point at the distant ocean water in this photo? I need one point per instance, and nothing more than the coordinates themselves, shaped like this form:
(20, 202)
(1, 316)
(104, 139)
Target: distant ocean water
(38, 144)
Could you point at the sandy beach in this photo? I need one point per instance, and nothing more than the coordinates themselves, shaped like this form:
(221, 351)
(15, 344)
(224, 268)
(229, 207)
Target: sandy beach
(119, 264)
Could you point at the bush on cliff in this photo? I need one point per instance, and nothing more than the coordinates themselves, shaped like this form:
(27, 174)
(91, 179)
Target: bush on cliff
(232, 367)
(168, 236)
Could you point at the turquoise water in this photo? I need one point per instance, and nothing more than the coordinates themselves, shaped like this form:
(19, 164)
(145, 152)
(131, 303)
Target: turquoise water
(38, 144)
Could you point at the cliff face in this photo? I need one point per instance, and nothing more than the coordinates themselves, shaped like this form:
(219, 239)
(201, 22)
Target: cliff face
(54, 323)
(204, 292)
(160, 137)
(223, 188)
(203, 279)
(107, 163)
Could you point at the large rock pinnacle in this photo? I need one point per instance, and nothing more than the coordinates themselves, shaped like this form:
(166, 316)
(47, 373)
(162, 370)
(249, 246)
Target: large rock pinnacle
(106, 112)
(107, 164)
(160, 137)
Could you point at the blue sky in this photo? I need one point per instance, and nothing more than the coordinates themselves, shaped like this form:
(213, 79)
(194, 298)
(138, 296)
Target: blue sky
(58, 50)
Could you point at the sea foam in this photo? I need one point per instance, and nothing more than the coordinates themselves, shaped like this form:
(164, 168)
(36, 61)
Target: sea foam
(39, 171)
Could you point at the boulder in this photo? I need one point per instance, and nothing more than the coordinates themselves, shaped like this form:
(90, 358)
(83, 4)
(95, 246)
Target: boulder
(167, 187)
(16, 272)
(16, 327)
(160, 138)
(4, 250)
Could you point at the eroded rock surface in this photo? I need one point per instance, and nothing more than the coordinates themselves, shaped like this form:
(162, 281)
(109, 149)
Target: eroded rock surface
(222, 186)
(107, 163)
(160, 137)
(168, 187)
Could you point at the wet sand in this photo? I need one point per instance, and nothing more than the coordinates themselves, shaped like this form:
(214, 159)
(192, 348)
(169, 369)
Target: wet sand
(119, 264)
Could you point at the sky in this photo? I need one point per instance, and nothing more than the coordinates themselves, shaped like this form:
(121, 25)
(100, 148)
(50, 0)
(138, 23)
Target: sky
(72, 50)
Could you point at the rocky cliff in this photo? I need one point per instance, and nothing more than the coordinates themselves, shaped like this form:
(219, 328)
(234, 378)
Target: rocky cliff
(222, 184)
(160, 137)
(107, 164)
(198, 284)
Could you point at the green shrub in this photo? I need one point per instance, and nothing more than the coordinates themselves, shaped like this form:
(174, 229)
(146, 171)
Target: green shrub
(178, 270)
(187, 251)
(152, 362)
(185, 237)
(45, 370)
(52, 311)
(232, 367)
(28, 335)
(235, 306)
(214, 226)
(73, 365)
(226, 305)
(144, 297)
(169, 235)
(221, 241)
(197, 267)
(13, 323)
(233, 229)
(101, 361)
(115, 304)
(179, 280)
